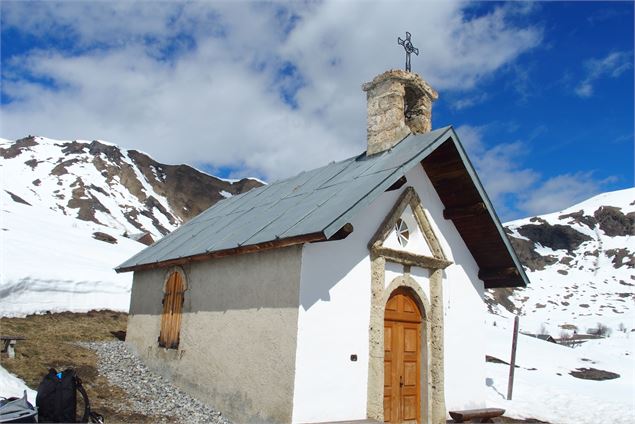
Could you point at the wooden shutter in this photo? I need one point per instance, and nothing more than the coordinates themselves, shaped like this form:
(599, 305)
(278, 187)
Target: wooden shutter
(171, 316)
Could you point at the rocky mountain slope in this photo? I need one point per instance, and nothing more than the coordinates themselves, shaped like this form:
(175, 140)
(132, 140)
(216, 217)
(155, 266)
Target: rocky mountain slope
(100, 182)
(70, 213)
(581, 264)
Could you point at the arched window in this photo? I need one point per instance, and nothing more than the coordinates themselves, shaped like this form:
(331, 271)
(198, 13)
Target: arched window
(173, 298)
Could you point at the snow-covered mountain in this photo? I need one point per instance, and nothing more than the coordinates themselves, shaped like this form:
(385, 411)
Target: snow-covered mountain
(581, 265)
(69, 213)
(100, 182)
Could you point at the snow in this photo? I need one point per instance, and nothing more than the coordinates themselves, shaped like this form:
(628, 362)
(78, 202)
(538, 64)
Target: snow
(54, 191)
(543, 388)
(12, 386)
(52, 263)
(621, 198)
(588, 290)
(257, 180)
(235, 180)
(149, 191)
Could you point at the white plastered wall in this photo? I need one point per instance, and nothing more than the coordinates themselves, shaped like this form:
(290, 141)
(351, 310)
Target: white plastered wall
(334, 314)
(464, 309)
(333, 323)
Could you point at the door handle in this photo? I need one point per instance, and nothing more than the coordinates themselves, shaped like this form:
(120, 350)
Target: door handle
(400, 381)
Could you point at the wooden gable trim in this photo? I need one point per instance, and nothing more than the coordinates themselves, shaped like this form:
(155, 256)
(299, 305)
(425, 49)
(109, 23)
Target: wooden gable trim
(498, 273)
(241, 250)
(467, 211)
(409, 197)
(468, 207)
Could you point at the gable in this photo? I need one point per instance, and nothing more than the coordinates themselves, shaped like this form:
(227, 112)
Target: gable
(470, 210)
(423, 250)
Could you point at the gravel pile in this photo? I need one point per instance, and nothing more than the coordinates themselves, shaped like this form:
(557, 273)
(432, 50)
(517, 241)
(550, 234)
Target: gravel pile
(149, 394)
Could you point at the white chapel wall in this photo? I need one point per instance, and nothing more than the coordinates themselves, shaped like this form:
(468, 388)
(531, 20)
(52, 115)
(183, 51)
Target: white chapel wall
(334, 315)
(464, 315)
(333, 321)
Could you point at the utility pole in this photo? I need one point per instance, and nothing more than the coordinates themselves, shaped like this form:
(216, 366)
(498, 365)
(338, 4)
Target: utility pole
(512, 362)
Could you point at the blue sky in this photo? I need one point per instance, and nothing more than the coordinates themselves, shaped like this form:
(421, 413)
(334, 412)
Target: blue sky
(541, 94)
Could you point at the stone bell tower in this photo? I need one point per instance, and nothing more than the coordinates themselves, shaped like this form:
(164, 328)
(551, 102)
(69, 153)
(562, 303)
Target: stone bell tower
(399, 103)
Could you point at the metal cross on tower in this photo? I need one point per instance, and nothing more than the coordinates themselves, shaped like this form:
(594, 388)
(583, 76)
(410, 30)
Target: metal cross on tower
(409, 48)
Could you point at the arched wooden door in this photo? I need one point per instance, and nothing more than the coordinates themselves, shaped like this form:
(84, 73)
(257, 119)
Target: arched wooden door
(402, 363)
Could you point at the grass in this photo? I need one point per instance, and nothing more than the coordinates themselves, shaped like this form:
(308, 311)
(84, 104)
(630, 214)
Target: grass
(50, 343)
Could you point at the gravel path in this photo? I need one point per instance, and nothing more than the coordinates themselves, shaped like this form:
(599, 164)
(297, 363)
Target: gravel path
(149, 393)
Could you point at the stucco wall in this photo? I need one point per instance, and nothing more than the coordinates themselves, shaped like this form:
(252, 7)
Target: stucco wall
(464, 311)
(238, 333)
(333, 323)
(334, 315)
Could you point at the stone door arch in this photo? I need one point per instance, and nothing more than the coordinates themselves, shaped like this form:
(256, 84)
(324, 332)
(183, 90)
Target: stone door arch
(432, 396)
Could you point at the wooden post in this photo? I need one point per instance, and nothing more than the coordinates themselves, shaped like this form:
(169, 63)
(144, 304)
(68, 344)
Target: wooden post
(512, 362)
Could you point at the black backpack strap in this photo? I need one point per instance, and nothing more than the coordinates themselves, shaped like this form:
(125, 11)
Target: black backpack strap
(96, 418)
(80, 388)
(89, 416)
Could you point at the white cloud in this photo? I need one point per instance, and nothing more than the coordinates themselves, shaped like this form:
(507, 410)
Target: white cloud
(611, 66)
(469, 101)
(561, 191)
(215, 97)
(499, 168)
(517, 190)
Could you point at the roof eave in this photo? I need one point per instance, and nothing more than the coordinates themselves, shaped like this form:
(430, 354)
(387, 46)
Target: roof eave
(240, 250)
(524, 280)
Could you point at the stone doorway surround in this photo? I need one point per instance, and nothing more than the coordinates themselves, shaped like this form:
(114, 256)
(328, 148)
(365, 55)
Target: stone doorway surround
(432, 385)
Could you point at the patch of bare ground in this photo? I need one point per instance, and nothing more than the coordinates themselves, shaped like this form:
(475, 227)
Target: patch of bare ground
(495, 360)
(51, 343)
(594, 374)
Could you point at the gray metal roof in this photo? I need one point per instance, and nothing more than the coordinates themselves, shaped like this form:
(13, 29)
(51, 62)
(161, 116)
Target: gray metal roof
(320, 200)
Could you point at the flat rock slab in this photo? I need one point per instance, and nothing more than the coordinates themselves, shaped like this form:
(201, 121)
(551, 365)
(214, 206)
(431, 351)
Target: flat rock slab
(484, 415)
(366, 421)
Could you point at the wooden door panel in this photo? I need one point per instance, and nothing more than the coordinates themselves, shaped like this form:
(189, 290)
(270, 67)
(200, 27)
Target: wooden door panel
(410, 340)
(409, 306)
(410, 376)
(387, 375)
(390, 373)
(392, 304)
(409, 408)
(387, 408)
